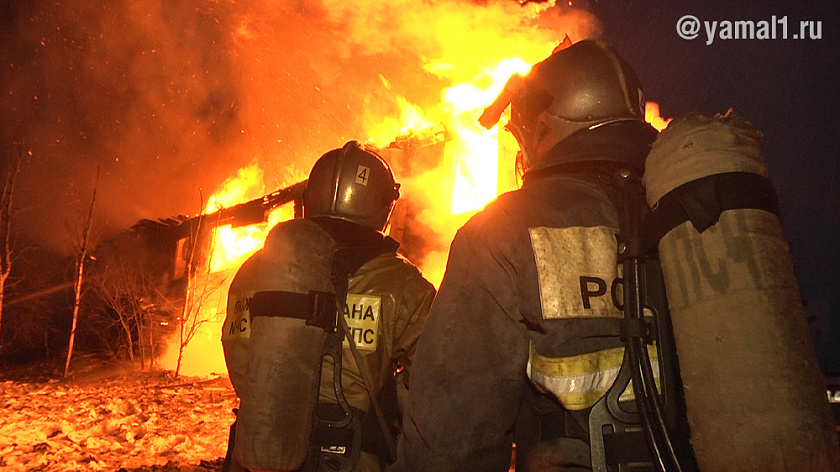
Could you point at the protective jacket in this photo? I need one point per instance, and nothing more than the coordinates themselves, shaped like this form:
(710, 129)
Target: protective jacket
(531, 291)
(387, 303)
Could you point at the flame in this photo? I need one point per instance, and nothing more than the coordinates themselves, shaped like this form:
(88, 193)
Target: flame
(477, 149)
(246, 184)
(652, 116)
(231, 246)
(468, 51)
(474, 149)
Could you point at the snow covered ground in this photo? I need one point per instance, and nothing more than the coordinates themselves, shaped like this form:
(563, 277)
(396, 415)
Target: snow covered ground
(133, 421)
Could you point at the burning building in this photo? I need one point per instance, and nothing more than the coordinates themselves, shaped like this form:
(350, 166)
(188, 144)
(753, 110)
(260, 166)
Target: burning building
(204, 252)
(179, 97)
(207, 250)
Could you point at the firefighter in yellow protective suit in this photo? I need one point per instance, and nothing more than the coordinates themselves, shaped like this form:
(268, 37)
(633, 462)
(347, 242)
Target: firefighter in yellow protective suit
(527, 319)
(292, 414)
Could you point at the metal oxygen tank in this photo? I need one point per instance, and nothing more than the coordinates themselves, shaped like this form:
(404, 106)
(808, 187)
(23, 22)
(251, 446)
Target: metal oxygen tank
(284, 352)
(236, 329)
(754, 394)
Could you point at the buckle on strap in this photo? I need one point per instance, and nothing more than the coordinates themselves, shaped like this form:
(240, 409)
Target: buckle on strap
(634, 328)
(315, 308)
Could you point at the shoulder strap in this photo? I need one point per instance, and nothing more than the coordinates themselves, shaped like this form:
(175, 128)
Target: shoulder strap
(340, 281)
(701, 202)
(317, 308)
(357, 245)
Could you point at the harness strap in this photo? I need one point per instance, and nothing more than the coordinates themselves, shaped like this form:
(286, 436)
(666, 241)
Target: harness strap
(702, 201)
(317, 308)
(340, 281)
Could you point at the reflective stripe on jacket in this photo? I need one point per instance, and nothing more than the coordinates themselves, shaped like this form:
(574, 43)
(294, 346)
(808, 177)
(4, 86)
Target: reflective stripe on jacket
(580, 381)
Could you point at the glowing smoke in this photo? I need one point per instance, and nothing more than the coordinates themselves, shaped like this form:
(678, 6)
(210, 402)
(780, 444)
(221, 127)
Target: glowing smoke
(173, 97)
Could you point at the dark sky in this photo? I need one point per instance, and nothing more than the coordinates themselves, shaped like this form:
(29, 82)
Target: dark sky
(788, 88)
(172, 97)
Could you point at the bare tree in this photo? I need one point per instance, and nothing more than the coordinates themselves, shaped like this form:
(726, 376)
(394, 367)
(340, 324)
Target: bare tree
(29, 303)
(200, 289)
(130, 291)
(80, 271)
(159, 311)
(5, 229)
(120, 287)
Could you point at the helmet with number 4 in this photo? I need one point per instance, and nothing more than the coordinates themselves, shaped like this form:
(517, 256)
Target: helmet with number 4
(352, 184)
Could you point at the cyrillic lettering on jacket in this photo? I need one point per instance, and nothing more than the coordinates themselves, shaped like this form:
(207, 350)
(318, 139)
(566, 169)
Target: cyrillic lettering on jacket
(578, 271)
(362, 315)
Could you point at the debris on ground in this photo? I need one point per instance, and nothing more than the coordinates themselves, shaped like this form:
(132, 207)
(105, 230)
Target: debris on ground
(137, 422)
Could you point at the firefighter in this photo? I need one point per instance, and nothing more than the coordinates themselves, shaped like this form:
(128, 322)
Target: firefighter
(524, 335)
(346, 210)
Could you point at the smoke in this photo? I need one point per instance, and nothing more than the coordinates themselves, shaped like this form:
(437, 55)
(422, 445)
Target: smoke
(171, 98)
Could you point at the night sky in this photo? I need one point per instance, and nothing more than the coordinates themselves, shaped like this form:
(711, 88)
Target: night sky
(166, 95)
(788, 88)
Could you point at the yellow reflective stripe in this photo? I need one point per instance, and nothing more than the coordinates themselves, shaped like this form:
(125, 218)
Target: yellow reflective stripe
(580, 381)
(581, 364)
(576, 393)
(628, 393)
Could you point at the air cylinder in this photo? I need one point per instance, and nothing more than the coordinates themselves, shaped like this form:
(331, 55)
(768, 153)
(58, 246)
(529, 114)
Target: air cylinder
(755, 397)
(283, 362)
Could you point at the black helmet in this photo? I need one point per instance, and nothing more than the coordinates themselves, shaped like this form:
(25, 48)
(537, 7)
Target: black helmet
(584, 86)
(352, 184)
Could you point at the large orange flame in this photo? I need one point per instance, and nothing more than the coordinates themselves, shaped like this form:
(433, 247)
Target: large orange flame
(473, 50)
(229, 248)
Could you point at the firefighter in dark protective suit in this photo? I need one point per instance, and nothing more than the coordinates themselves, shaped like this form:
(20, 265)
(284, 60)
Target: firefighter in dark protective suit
(306, 403)
(526, 324)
